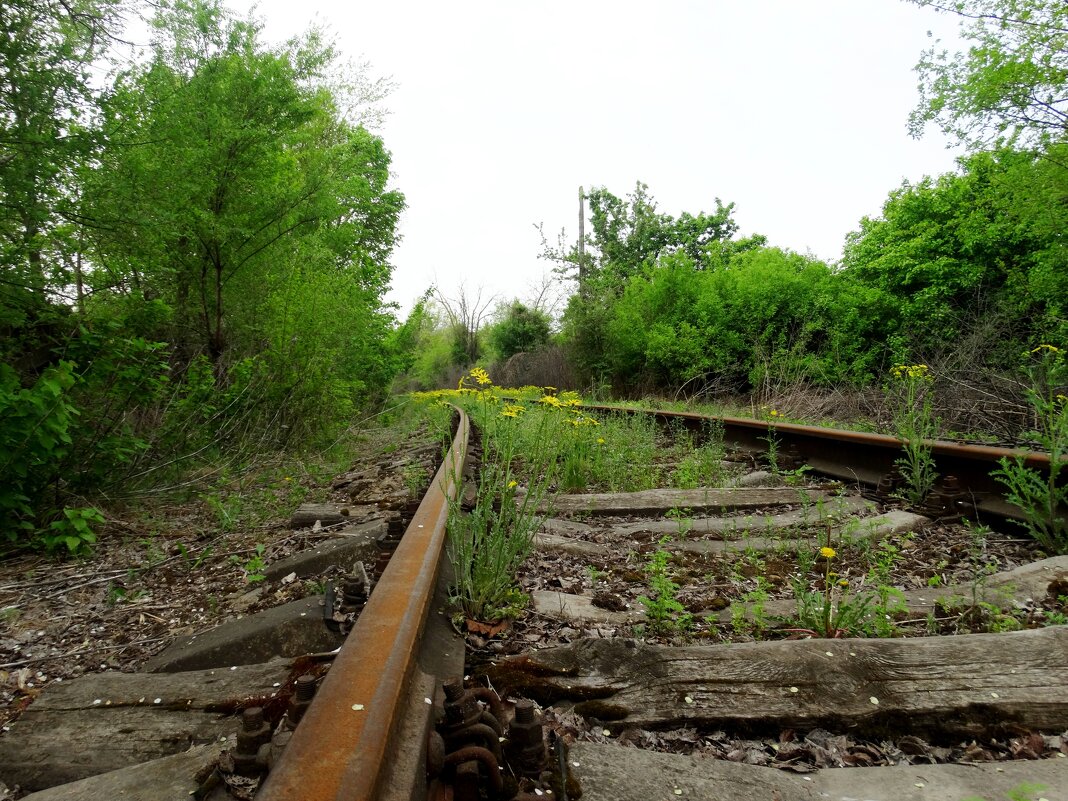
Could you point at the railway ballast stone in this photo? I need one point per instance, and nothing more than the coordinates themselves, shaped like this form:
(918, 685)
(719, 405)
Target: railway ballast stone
(616, 773)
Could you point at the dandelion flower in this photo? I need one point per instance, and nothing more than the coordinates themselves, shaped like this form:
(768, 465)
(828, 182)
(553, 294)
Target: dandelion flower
(827, 553)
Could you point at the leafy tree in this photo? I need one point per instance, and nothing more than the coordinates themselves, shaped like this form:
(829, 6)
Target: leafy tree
(46, 133)
(771, 314)
(1011, 84)
(964, 246)
(629, 238)
(520, 330)
(225, 223)
(630, 233)
(235, 167)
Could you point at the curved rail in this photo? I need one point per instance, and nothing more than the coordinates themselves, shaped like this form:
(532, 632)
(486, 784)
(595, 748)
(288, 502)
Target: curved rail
(864, 457)
(340, 748)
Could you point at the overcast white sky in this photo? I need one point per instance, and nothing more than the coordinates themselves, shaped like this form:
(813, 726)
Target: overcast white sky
(795, 111)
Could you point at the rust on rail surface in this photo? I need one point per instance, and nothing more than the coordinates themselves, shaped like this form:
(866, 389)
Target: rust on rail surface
(863, 457)
(344, 740)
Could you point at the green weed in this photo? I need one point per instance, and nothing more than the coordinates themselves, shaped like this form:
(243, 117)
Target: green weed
(1043, 499)
(662, 607)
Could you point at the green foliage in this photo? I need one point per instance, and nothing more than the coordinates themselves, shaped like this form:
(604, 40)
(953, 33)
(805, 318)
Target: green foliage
(915, 424)
(192, 260)
(253, 567)
(1025, 791)
(47, 52)
(36, 426)
(1010, 82)
(73, 530)
(1043, 498)
(980, 246)
(35, 436)
(662, 608)
(771, 313)
(487, 544)
(521, 330)
(832, 610)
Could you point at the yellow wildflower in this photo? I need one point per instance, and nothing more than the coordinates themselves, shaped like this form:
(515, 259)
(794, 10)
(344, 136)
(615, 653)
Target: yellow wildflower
(513, 484)
(1050, 348)
(917, 372)
(827, 553)
(600, 440)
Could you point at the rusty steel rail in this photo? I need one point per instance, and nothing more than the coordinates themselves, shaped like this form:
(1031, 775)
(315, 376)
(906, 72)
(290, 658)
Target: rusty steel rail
(340, 749)
(862, 457)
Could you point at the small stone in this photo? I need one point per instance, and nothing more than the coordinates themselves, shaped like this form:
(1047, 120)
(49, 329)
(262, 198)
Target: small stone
(606, 732)
(357, 707)
(158, 701)
(874, 700)
(794, 690)
(994, 695)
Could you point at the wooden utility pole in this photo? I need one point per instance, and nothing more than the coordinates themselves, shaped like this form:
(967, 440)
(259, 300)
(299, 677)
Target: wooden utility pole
(582, 236)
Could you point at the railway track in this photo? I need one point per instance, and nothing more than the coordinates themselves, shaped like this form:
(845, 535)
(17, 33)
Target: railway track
(369, 733)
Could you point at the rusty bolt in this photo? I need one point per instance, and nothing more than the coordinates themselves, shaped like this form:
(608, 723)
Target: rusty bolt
(255, 731)
(454, 689)
(304, 692)
(305, 687)
(525, 739)
(353, 591)
(461, 707)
